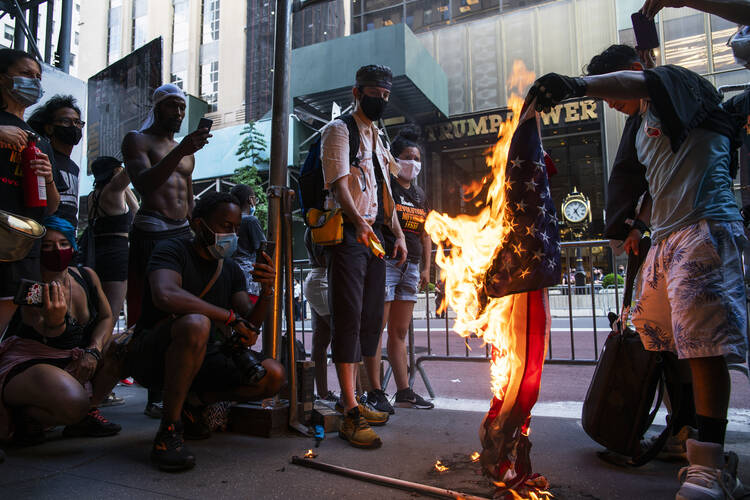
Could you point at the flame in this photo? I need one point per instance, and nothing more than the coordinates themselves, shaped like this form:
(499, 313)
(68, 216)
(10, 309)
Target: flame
(440, 467)
(475, 456)
(472, 242)
(310, 454)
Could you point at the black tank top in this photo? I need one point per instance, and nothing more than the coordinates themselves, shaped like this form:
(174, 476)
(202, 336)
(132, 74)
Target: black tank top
(75, 334)
(106, 224)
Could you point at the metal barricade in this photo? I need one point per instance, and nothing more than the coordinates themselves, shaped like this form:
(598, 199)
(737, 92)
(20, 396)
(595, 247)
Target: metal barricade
(579, 325)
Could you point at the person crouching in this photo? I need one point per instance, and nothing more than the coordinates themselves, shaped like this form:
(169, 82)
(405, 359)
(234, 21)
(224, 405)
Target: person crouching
(195, 302)
(50, 363)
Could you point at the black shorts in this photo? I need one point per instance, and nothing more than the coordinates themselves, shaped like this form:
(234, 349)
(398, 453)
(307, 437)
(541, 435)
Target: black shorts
(146, 359)
(111, 260)
(356, 297)
(11, 274)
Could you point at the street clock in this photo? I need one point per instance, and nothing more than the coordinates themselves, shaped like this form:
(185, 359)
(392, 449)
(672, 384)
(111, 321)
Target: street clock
(576, 210)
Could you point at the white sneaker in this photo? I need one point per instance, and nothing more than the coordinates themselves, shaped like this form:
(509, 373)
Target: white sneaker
(707, 478)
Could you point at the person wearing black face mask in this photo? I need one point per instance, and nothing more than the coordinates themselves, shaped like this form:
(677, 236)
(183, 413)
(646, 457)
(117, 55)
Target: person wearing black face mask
(195, 297)
(356, 276)
(59, 119)
(54, 351)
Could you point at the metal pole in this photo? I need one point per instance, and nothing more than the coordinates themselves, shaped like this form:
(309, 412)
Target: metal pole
(48, 31)
(24, 30)
(291, 337)
(384, 480)
(279, 155)
(19, 38)
(63, 46)
(34, 21)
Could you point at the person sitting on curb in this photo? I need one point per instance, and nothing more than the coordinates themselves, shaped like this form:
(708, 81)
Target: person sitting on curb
(51, 358)
(195, 295)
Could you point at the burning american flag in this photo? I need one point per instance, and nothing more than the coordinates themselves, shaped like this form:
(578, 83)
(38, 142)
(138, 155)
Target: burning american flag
(497, 266)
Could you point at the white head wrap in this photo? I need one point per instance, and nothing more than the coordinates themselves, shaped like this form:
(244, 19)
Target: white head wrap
(166, 90)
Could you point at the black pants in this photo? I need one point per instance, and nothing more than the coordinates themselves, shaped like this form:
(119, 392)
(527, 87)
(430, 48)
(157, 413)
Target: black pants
(356, 297)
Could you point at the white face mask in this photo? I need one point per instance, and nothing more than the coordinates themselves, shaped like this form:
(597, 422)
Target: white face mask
(740, 44)
(409, 169)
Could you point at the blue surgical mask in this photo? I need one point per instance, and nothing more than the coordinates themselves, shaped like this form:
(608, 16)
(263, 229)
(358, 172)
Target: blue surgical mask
(252, 210)
(27, 91)
(223, 246)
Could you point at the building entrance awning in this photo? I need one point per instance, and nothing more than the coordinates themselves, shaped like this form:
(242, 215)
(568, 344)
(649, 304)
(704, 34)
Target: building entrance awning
(323, 74)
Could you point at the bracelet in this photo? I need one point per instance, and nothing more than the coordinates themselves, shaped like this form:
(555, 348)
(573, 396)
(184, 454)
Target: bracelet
(231, 318)
(94, 352)
(48, 183)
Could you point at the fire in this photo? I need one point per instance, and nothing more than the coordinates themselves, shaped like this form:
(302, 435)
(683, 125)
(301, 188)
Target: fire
(472, 242)
(475, 456)
(310, 454)
(440, 467)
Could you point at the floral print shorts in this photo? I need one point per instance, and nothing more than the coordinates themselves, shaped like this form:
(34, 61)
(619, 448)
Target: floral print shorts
(692, 294)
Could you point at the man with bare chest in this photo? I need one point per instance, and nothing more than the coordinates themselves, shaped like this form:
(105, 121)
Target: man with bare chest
(161, 170)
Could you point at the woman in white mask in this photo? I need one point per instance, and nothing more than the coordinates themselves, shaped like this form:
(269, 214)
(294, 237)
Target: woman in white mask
(403, 282)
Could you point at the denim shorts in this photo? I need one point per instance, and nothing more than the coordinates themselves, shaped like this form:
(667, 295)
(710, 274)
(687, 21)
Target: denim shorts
(401, 281)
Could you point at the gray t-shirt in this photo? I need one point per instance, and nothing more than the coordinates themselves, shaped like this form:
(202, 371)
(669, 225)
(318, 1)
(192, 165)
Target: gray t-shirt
(689, 185)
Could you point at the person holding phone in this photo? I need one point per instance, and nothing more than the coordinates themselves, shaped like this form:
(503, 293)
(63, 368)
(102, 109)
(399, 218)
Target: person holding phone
(161, 171)
(195, 297)
(51, 358)
(737, 11)
(693, 294)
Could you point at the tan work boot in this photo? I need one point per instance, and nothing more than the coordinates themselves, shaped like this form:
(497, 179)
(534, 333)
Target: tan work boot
(373, 417)
(355, 429)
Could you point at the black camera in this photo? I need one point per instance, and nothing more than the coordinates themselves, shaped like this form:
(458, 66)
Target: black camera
(248, 364)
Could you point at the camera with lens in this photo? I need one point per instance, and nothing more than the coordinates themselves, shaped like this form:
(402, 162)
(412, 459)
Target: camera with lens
(246, 361)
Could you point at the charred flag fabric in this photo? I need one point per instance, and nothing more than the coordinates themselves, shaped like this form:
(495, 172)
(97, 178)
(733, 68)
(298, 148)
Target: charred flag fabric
(530, 258)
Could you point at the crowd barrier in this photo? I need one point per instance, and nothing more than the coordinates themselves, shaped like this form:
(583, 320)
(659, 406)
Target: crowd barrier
(579, 324)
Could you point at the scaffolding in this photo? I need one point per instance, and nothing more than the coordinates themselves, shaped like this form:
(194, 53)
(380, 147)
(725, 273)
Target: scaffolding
(26, 15)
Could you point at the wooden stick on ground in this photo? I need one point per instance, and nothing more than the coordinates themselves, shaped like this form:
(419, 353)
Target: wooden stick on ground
(384, 480)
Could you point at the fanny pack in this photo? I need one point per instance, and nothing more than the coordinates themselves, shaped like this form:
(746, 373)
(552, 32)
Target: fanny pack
(326, 226)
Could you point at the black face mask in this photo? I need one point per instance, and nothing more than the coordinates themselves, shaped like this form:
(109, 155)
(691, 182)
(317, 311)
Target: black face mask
(372, 107)
(68, 135)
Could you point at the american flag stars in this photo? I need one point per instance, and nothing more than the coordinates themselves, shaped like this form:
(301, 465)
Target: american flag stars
(530, 256)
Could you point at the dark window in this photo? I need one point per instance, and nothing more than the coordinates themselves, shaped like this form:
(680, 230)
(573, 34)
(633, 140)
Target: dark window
(383, 18)
(424, 13)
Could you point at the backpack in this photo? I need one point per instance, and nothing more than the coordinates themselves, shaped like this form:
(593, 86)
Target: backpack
(312, 191)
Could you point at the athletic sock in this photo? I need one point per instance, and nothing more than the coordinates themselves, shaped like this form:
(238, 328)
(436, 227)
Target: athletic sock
(710, 429)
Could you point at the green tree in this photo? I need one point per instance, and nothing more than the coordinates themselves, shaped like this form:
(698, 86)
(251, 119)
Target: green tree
(252, 149)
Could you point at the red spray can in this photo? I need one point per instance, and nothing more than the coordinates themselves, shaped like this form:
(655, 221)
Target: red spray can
(34, 187)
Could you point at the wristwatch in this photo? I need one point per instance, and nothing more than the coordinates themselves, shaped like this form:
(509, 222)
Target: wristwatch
(94, 352)
(640, 225)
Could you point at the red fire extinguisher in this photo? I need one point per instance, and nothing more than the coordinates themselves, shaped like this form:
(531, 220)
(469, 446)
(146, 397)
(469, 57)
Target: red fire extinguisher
(34, 187)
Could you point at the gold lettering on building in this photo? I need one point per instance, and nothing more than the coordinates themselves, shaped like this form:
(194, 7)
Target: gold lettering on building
(588, 110)
(495, 121)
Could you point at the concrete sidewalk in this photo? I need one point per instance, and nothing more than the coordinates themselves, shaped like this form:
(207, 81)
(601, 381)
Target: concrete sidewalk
(237, 466)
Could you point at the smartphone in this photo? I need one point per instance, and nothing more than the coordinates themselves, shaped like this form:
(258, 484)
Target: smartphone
(30, 293)
(267, 247)
(205, 123)
(645, 32)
